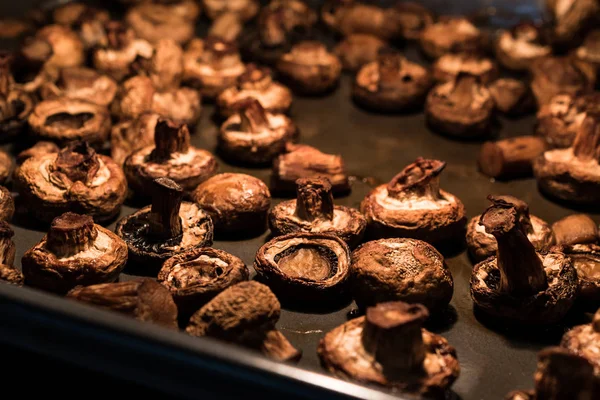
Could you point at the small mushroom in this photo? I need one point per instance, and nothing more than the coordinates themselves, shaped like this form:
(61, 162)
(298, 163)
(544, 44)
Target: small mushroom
(37, 150)
(245, 9)
(302, 161)
(482, 245)
(142, 299)
(512, 97)
(586, 260)
(197, 276)
(74, 179)
(67, 120)
(166, 228)
(584, 341)
(15, 104)
(254, 136)
(7, 204)
(172, 157)
(256, 83)
(391, 83)
(406, 270)
(573, 174)
(358, 49)
(571, 18)
(154, 21)
(556, 75)
(313, 211)
(575, 229)
(589, 51)
(451, 35)
(245, 314)
(237, 203)
(388, 347)
(131, 135)
(450, 65)
(309, 68)
(81, 83)
(349, 16)
(520, 285)
(510, 158)
(8, 273)
(88, 21)
(212, 65)
(461, 108)
(74, 252)
(516, 48)
(305, 267)
(412, 205)
(413, 18)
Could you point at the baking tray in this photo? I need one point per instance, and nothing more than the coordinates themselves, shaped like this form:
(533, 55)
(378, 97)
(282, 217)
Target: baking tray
(375, 147)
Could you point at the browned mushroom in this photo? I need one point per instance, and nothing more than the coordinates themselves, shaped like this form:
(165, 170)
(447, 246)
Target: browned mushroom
(7, 204)
(212, 65)
(305, 268)
(129, 136)
(74, 252)
(357, 50)
(302, 161)
(482, 245)
(586, 260)
(75, 179)
(6, 165)
(142, 299)
(88, 21)
(59, 46)
(254, 136)
(227, 26)
(447, 67)
(15, 104)
(11, 28)
(245, 314)
(392, 83)
(172, 157)
(256, 83)
(66, 120)
(246, 9)
(520, 285)
(510, 158)
(460, 108)
(313, 211)
(413, 18)
(413, 205)
(575, 229)
(570, 19)
(81, 83)
(237, 203)
(154, 21)
(309, 68)
(584, 341)
(589, 51)
(406, 270)
(388, 347)
(196, 276)
(512, 97)
(451, 35)
(38, 149)
(516, 48)
(573, 174)
(166, 228)
(8, 273)
(350, 16)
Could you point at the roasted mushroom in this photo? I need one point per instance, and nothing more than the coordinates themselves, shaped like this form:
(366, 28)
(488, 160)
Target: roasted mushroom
(86, 20)
(166, 228)
(357, 50)
(38, 149)
(461, 108)
(451, 35)
(350, 16)
(256, 83)
(7, 204)
(301, 161)
(520, 285)
(575, 229)
(227, 26)
(154, 21)
(196, 276)
(129, 136)
(211, 66)
(8, 273)
(13, 28)
(412, 205)
(482, 245)
(510, 158)
(75, 179)
(516, 48)
(237, 203)
(586, 260)
(407, 270)
(74, 252)
(449, 66)
(584, 340)
(245, 314)
(245, 9)
(556, 75)
(573, 174)
(589, 51)
(309, 68)
(172, 157)
(56, 46)
(413, 18)
(392, 83)
(6, 165)
(512, 97)
(570, 19)
(15, 104)
(305, 268)
(142, 299)
(313, 211)
(254, 136)
(388, 347)
(81, 83)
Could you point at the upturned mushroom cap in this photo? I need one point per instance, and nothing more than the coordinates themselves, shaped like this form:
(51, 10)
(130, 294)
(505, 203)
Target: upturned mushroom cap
(449, 66)
(313, 211)
(81, 84)
(358, 49)
(586, 260)
(65, 47)
(518, 47)
(388, 347)
(74, 252)
(15, 104)
(512, 97)
(584, 340)
(450, 35)
(412, 205)
(88, 21)
(246, 9)
(75, 179)
(349, 17)
(168, 20)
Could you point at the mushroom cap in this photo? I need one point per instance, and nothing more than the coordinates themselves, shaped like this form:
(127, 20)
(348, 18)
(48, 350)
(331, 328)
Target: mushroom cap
(584, 340)
(155, 21)
(38, 149)
(67, 47)
(512, 96)
(118, 62)
(450, 35)
(586, 260)
(81, 83)
(448, 66)
(246, 9)
(6, 166)
(554, 75)
(129, 136)
(358, 49)
(516, 48)
(10, 274)
(7, 204)
(413, 18)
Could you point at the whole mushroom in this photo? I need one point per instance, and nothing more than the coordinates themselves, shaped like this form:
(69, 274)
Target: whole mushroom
(155, 21)
(575, 229)
(15, 104)
(413, 18)
(570, 19)
(449, 66)
(358, 49)
(81, 83)
(586, 260)
(131, 135)
(584, 341)
(451, 35)
(516, 48)
(88, 21)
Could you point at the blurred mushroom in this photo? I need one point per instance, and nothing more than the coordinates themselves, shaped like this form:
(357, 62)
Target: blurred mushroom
(575, 229)
(449, 66)
(131, 135)
(350, 16)
(155, 21)
(516, 48)
(413, 18)
(358, 49)
(81, 83)
(571, 18)
(246, 9)
(451, 35)
(88, 21)
(15, 104)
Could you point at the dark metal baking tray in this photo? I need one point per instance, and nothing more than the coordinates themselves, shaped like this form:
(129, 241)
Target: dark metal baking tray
(375, 148)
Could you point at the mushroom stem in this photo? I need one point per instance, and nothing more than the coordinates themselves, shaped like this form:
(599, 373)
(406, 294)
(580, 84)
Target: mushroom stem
(563, 375)
(253, 116)
(164, 215)
(70, 234)
(463, 88)
(314, 199)
(389, 63)
(587, 142)
(420, 179)
(521, 270)
(78, 162)
(169, 137)
(392, 333)
(5, 75)
(519, 205)
(7, 247)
